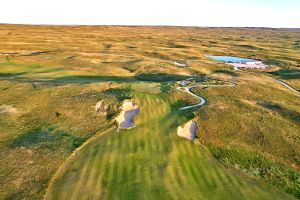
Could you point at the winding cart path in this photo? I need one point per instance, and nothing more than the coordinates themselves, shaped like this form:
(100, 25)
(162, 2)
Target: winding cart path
(202, 100)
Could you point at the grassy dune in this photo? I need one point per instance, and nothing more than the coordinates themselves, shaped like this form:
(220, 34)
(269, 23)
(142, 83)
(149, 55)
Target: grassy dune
(254, 128)
(54, 75)
(151, 162)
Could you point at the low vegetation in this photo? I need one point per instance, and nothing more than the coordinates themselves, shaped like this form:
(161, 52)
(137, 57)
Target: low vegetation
(151, 161)
(53, 76)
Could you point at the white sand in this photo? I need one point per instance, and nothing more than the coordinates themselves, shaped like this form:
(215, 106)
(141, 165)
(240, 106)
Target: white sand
(99, 106)
(180, 64)
(189, 130)
(7, 109)
(129, 110)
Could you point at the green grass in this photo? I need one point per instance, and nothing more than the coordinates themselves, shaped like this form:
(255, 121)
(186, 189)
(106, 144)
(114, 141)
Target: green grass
(51, 121)
(287, 73)
(151, 162)
(54, 75)
(264, 123)
(259, 167)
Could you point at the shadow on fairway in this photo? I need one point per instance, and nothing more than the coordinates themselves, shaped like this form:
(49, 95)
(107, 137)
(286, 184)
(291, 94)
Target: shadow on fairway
(67, 79)
(159, 77)
(120, 93)
(49, 138)
(284, 112)
(227, 72)
(287, 74)
(11, 75)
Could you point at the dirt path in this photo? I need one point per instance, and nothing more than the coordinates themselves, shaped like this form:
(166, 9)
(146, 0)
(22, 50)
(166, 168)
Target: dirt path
(277, 80)
(286, 85)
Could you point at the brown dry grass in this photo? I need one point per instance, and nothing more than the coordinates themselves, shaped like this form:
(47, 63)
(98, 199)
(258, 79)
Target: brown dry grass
(54, 75)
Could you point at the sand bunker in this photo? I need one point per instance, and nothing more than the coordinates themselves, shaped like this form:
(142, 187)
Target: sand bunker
(7, 109)
(188, 131)
(129, 110)
(180, 64)
(99, 106)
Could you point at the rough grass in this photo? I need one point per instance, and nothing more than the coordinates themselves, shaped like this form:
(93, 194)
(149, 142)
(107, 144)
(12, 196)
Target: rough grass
(151, 162)
(267, 126)
(50, 123)
(290, 75)
(55, 75)
(259, 167)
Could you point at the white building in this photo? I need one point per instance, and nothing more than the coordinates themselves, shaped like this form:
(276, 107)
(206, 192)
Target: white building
(253, 63)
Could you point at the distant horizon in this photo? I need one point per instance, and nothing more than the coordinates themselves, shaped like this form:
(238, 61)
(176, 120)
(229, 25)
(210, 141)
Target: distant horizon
(197, 13)
(184, 26)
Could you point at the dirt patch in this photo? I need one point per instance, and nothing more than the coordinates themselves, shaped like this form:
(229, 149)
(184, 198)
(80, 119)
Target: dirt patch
(129, 110)
(219, 105)
(7, 109)
(189, 130)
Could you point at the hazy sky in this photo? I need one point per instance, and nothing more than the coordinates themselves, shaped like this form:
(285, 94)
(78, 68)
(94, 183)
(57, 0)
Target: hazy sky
(267, 13)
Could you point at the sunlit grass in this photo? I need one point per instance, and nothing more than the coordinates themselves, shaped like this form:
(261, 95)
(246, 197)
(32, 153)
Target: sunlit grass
(55, 75)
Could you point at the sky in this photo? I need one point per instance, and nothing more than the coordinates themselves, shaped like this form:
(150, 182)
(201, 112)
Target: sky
(214, 13)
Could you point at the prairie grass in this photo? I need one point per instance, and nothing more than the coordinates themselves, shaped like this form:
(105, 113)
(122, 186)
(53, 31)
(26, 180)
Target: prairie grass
(54, 75)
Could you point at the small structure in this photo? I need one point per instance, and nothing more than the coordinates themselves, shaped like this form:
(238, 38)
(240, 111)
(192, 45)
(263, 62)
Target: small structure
(238, 62)
(254, 62)
(249, 65)
(190, 79)
(183, 83)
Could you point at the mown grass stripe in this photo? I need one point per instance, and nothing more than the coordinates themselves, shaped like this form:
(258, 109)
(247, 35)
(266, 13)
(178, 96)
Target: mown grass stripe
(89, 175)
(175, 186)
(82, 176)
(112, 167)
(151, 162)
(91, 181)
(101, 162)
